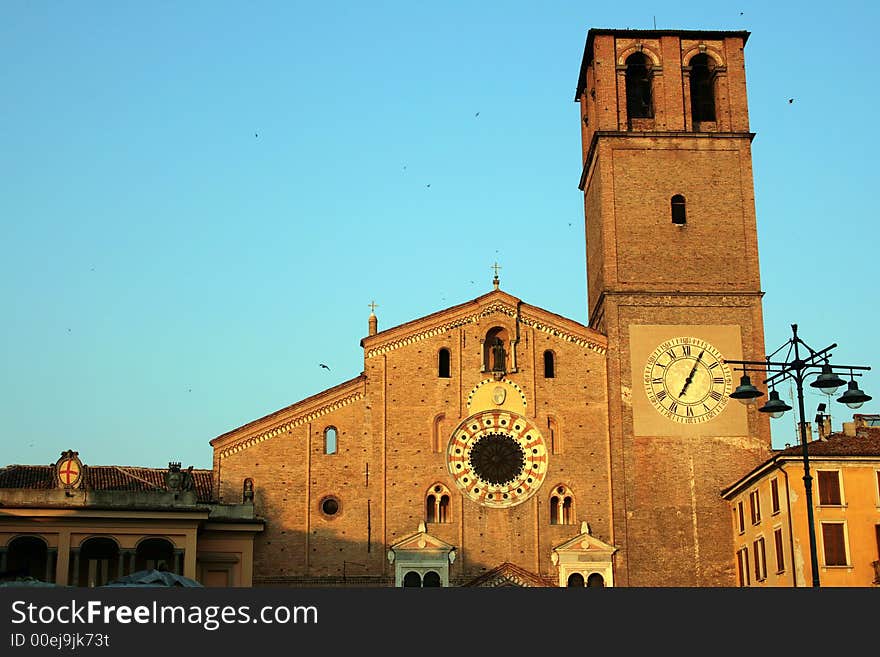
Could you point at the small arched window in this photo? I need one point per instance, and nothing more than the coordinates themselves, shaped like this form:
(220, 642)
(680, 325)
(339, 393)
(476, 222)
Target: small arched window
(549, 365)
(639, 100)
(443, 363)
(679, 210)
(702, 88)
(437, 504)
(330, 445)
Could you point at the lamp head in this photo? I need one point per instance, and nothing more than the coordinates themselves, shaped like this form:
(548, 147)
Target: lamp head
(745, 392)
(827, 382)
(853, 397)
(775, 406)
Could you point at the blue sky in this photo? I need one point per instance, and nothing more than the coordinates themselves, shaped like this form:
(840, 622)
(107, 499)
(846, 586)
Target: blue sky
(200, 200)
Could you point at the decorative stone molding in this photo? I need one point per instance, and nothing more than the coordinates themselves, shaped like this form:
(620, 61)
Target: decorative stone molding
(297, 421)
(473, 318)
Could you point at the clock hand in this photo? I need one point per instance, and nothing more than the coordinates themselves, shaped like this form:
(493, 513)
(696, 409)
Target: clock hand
(690, 377)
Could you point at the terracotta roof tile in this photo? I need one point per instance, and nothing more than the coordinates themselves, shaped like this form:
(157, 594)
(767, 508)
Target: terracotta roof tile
(866, 442)
(103, 477)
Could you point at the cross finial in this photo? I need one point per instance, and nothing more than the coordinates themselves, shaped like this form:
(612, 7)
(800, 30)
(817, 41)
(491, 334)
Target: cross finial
(373, 305)
(495, 280)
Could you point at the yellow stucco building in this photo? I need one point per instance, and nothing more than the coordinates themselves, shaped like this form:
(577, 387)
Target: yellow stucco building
(770, 518)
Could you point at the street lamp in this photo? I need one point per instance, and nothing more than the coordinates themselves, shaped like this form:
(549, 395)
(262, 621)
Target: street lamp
(796, 368)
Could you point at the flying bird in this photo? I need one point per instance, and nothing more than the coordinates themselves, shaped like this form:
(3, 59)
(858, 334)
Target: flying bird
(790, 101)
(428, 185)
(477, 114)
(324, 366)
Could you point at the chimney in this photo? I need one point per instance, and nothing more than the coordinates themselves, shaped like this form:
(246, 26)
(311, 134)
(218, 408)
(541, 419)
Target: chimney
(808, 430)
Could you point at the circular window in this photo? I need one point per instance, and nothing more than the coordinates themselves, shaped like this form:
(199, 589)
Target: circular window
(497, 459)
(330, 506)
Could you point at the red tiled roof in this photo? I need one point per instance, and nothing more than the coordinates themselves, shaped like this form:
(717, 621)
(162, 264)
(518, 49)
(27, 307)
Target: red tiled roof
(866, 442)
(103, 477)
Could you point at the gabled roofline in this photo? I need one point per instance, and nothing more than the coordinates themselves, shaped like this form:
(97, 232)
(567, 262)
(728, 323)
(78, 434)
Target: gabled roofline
(269, 420)
(460, 312)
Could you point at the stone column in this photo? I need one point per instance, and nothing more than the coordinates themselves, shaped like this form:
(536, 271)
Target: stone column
(132, 561)
(178, 555)
(62, 564)
(74, 579)
(51, 554)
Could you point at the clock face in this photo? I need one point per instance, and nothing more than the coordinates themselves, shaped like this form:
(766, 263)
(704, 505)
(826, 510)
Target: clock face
(497, 458)
(687, 380)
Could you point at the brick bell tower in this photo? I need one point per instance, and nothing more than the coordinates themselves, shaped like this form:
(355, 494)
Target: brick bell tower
(673, 281)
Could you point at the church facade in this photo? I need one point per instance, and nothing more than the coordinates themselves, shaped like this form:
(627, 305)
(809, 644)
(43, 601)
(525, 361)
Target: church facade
(497, 443)
(503, 438)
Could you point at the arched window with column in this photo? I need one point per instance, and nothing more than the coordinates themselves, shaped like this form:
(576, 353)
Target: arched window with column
(702, 88)
(639, 91)
(155, 553)
(97, 562)
(561, 506)
(437, 504)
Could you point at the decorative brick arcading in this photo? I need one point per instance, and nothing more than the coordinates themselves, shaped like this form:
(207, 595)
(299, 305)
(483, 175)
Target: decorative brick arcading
(296, 421)
(496, 307)
(564, 335)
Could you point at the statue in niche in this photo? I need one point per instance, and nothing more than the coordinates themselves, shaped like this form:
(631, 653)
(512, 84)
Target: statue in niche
(498, 356)
(248, 491)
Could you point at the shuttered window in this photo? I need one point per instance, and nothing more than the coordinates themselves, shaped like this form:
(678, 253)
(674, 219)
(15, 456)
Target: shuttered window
(829, 487)
(834, 544)
(780, 554)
